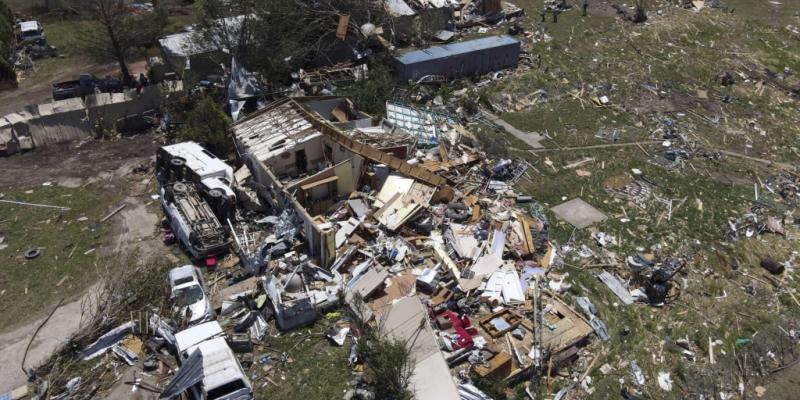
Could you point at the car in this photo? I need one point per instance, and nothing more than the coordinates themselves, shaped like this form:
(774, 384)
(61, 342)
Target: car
(188, 294)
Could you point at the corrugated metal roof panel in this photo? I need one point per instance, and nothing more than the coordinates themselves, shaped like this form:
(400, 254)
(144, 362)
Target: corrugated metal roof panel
(408, 322)
(456, 49)
(273, 131)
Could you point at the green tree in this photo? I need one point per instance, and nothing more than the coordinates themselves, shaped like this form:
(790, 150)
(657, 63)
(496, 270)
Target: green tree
(6, 40)
(118, 34)
(370, 94)
(390, 365)
(207, 124)
(290, 33)
(389, 361)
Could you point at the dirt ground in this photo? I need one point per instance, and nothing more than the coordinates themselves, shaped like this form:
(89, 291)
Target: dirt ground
(108, 164)
(784, 384)
(74, 164)
(64, 321)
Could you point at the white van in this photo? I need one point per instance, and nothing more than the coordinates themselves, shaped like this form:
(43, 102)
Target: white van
(30, 30)
(222, 376)
(196, 226)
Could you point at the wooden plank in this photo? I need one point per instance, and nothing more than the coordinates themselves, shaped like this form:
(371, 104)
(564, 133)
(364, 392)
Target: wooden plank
(341, 30)
(319, 182)
(530, 246)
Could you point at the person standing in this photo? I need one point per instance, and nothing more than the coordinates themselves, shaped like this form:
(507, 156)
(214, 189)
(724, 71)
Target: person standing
(585, 7)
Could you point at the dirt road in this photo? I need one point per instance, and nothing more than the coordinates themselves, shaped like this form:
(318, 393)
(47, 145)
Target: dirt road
(64, 321)
(135, 229)
(39, 89)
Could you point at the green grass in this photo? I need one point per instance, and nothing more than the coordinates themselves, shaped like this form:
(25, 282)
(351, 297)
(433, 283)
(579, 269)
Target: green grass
(678, 54)
(318, 369)
(68, 248)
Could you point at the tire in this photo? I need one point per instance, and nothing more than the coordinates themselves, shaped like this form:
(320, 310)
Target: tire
(216, 193)
(180, 187)
(177, 162)
(30, 254)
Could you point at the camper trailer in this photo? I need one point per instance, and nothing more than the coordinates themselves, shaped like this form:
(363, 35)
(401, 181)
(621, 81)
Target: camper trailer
(197, 198)
(191, 163)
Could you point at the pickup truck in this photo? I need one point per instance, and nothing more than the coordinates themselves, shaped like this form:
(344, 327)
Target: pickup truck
(85, 85)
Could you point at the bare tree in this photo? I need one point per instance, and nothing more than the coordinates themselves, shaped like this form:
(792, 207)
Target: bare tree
(118, 34)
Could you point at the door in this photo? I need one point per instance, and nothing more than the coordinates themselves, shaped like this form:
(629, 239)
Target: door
(300, 161)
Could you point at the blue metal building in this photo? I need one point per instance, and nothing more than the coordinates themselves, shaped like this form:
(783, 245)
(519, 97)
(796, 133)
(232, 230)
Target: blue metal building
(473, 57)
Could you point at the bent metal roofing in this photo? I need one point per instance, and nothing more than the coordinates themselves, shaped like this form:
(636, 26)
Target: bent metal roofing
(455, 49)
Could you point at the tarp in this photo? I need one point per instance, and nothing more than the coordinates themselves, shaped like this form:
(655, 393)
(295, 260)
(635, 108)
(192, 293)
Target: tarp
(243, 84)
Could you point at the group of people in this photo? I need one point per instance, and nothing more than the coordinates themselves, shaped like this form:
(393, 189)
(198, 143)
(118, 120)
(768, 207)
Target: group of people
(555, 7)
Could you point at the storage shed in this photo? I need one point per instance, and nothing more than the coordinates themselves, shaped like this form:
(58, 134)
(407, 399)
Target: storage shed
(474, 57)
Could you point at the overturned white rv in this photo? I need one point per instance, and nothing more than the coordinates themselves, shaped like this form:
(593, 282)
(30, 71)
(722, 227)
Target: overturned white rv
(189, 161)
(193, 222)
(196, 196)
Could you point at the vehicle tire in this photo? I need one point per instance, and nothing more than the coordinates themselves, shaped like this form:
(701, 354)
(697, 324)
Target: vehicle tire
(193, 238)
(180, 187)
(30, 254)
(216, 193)
(178, 162)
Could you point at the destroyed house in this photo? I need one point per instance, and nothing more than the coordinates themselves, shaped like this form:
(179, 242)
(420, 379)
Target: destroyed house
(302, 160)
(435, 16)
(203, 56)
(463, 59)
